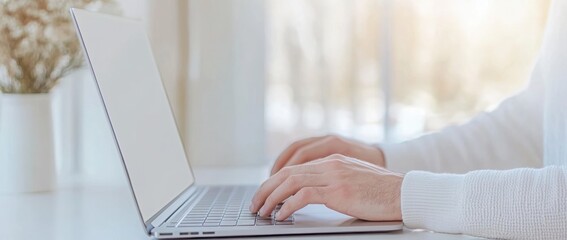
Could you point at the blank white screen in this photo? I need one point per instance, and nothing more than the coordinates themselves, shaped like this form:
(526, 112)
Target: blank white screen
(138, 109)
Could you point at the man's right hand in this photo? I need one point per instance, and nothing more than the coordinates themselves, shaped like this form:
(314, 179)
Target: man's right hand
(315, 148)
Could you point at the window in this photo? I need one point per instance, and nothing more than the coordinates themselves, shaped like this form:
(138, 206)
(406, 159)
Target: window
(392, 70)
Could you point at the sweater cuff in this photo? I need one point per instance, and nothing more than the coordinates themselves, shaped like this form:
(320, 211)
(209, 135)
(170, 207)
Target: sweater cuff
(432, 201)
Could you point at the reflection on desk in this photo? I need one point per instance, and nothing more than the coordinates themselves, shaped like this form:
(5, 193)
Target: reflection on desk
(91, 209)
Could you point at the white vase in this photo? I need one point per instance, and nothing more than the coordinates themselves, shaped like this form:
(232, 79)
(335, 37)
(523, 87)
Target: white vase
(27, 158)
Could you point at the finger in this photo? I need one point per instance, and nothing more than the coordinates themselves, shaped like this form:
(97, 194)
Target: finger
(307, 195)
(315, 150)
(274, 181)
(290, 187)
(330, 158)
(348, 161)
(289, 151)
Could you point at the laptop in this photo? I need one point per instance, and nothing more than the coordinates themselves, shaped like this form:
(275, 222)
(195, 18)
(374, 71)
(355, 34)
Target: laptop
(170, 205)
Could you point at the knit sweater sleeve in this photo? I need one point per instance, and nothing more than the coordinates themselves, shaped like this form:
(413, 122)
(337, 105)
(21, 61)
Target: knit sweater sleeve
(508, 137)
(508, 204)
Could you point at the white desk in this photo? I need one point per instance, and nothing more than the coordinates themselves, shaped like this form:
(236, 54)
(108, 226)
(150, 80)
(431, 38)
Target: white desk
(90, 209)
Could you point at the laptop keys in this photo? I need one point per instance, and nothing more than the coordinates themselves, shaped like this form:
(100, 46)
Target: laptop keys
(191, 225)
(226, 206)
(228, 223)
(261, 222)
(246, 222)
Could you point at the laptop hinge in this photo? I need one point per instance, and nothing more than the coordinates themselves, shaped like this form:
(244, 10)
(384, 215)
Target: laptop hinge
(187, 197)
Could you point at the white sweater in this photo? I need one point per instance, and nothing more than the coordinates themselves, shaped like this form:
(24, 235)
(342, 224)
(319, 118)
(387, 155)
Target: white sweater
(527, 132)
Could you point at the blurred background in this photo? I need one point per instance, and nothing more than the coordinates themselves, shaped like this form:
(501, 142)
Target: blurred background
(248, 77)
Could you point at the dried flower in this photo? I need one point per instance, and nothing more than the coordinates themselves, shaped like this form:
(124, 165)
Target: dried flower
(38, 44)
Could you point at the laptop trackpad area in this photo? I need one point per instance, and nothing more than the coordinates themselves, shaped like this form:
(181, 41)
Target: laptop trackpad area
(317, 215)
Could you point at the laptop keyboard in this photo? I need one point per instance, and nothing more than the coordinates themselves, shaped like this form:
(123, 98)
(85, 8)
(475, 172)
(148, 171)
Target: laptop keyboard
(226, 206)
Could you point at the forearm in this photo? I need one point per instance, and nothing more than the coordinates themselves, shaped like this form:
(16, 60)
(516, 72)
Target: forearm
(512, 204)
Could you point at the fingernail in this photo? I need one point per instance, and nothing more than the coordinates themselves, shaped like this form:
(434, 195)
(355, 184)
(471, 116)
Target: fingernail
(278, 216)
(262, 211)
(252, 207)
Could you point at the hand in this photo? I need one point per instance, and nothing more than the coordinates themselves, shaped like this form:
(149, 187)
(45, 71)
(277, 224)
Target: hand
(347, 185)
(319, 147)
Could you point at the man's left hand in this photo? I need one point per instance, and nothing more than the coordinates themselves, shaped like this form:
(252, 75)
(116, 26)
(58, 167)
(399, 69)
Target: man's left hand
(347, 185)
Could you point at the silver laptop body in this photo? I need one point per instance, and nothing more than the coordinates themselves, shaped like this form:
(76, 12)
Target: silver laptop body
(170, 205)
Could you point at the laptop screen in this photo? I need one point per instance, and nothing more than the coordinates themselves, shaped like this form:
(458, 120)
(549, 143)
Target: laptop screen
(138, 109)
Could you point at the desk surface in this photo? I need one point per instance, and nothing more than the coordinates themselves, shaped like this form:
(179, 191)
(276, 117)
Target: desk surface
(92, 209)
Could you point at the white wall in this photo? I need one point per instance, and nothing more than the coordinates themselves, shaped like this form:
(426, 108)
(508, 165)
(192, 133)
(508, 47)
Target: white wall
(226, 87)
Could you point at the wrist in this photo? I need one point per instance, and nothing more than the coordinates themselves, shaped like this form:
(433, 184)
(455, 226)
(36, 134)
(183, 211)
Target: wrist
(398, 197)
(380, 158)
